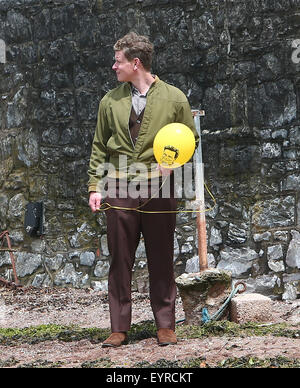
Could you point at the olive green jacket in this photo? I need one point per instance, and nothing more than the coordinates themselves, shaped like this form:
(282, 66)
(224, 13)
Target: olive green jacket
(112, 141)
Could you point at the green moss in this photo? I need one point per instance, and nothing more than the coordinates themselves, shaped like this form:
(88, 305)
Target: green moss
(220, 328)
(242, 362)
(10, 362)
(99, 363)
(147, 329)
(198, 362)
(143, 330)
(161, 363)
(204, 282)
(99, 6)
(42, 364)
(42, 333)
(254, 362)
(36, 334)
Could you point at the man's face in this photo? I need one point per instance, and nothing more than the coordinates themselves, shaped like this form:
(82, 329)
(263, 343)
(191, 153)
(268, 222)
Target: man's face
(168, 157)
(123, 68)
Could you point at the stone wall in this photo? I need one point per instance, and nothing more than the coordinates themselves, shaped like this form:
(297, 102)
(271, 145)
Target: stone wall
(236, 59)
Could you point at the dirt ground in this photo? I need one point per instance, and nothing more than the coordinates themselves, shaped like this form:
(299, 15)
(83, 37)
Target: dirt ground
(89, 309)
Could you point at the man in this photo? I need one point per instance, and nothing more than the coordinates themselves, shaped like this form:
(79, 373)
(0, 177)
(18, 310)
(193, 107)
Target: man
(129, 117)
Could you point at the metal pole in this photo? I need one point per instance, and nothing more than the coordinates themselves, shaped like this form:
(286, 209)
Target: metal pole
(10, 250)
(199, 186)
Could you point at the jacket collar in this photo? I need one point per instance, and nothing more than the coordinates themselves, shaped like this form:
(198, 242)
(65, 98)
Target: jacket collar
(131, 87)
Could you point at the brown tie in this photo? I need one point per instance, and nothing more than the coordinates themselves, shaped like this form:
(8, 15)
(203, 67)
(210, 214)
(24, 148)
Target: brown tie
(135, 122)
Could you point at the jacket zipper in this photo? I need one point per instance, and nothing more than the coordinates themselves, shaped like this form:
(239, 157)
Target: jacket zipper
(133, 145)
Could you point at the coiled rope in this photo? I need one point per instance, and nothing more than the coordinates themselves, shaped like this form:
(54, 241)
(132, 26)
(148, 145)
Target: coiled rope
(106, 206)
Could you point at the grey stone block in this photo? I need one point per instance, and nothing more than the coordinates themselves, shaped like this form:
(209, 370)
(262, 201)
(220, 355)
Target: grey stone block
(250, 308)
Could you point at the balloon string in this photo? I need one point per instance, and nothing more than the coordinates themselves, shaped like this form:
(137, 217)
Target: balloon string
(138, 208)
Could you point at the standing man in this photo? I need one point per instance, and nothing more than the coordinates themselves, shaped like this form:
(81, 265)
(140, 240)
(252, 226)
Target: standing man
(129, 117)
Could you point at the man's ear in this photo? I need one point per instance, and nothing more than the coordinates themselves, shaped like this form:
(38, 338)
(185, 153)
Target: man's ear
(137, 62)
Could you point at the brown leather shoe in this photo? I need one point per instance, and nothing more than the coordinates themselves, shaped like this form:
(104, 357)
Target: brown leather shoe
(115, 340)
(166, 337)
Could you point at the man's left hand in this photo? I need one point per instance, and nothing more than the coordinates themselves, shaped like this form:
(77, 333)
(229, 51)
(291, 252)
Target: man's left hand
(165, 171)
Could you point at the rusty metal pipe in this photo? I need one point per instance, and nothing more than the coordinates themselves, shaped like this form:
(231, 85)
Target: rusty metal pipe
(199, 186)
(10, 250)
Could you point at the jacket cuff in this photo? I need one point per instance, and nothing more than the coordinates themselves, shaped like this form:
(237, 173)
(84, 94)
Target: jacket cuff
(92, 188)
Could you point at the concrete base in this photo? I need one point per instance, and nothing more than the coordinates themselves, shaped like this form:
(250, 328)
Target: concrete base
(208, 289)
(250, 308)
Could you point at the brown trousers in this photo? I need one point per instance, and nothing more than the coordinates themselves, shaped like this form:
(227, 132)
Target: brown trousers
(124, 228)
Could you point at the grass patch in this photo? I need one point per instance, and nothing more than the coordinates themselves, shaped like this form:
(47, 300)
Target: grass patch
(231, 329)
(246, 362)
(254, 362)
(143, 330)
(140, 331)
(36, 334)
(147, 329)
(242, 362)
(99, 363)
(51, 332)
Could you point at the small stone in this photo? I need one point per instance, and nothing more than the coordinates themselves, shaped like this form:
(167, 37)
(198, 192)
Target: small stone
(237, 260)
(87, 258)
(276, 265)
(27, 263)
(251, 308)
(101, 285)
(293, 253)
(68, 275)
(101, 269)
(275, 252)
(215, 237)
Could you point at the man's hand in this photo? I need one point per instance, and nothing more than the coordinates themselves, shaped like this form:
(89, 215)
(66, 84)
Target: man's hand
(164, 171)
(94, 201)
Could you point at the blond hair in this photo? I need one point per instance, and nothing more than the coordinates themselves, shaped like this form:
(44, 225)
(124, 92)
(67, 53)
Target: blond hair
(136, 46)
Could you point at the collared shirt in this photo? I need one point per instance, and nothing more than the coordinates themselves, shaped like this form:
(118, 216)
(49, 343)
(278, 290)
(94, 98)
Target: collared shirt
(138, 100)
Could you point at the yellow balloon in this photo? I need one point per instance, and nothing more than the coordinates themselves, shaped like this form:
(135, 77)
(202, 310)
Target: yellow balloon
(174, 145)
